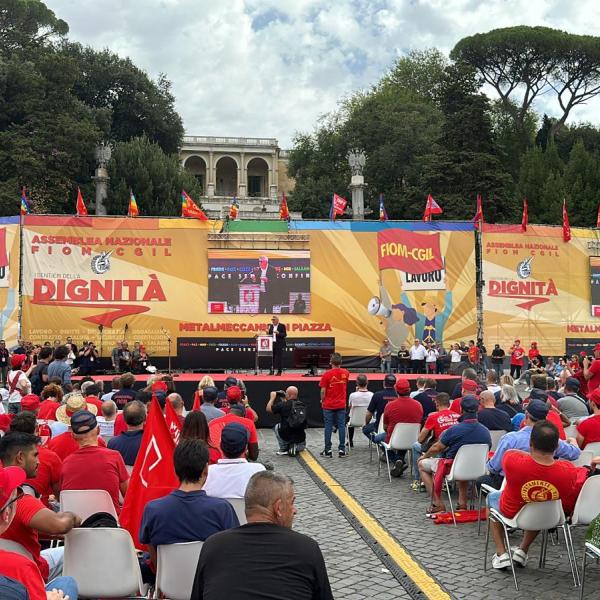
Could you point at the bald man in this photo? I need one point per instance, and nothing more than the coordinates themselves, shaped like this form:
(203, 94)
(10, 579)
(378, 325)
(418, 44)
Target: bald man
(490, 416)
(289, 432)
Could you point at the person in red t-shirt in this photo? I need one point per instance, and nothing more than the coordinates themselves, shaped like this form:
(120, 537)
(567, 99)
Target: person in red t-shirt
(15, 566)
(333, 386)
(403, 409)
(46, 482)
(588, 429)
(469, 388)
(474, 354)
(18, 449)
(51, 397)
(533, 351)
(534, 477)
(516, 359)
(591, 371)
(92, 467)
(91, 395)
(216, 426)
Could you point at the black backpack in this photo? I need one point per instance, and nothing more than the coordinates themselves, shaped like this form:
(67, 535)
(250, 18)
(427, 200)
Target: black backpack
(297, 416)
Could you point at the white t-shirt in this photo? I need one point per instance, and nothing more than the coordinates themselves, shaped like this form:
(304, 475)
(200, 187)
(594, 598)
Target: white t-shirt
(418, 352)
(432, 355)
(360, 398)
(23, 384)
(229, 477)
(107, 428)
(455, 356)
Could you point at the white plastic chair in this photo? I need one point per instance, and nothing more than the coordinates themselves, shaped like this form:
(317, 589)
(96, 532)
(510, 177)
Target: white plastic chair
(593, 552)
(594, 448)
(176, 568)
(571, 431)
(87, 502)
(496, 436)
(403, 437)
(534, 516)
(12, 546)
(468, 465)
(104, 563)
(239, 505)
(587, 507)
(380, 429)
(584, 460)
(356, 418)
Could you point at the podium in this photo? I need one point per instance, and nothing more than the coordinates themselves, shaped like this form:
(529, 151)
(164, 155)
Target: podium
(264, 347)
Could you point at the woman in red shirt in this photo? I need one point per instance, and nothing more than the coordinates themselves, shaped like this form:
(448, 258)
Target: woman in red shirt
(195, 426)
(516, 359)
(51, 396)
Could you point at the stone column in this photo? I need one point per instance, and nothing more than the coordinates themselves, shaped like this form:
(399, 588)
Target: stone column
(272, 191)
(103, 153)
(242, 177)
(210, 176)
(357, 186)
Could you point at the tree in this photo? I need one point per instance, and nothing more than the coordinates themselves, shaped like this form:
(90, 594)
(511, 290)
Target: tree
(155, 178)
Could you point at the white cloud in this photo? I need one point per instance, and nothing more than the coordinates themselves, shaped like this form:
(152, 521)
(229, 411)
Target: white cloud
(270, 68)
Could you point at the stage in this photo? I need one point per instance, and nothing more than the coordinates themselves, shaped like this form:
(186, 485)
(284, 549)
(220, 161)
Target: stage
(258, 388)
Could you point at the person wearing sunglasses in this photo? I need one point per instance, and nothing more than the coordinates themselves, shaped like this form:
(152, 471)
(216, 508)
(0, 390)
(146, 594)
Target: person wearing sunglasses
(19, 577)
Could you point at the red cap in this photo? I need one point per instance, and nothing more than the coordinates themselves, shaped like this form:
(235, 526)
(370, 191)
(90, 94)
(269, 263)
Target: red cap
(595, 397)
(469, 385)
(16, 360)
(159, 386)
(582, 353)
(10, 479)
(402, 386)
(30, 402)
(234, 393)
(597, 348)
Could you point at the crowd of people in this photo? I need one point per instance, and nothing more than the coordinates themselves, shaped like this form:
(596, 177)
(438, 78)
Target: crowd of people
(59, 435)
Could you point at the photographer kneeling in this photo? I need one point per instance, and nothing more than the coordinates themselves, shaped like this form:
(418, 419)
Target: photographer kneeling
(290, 431)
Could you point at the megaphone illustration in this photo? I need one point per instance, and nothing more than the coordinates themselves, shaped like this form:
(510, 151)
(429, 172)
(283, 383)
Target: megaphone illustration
(376, 309)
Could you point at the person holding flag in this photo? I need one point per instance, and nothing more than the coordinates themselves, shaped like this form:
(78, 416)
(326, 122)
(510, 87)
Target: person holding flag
(338, 206)
(431, 208)
(81, 207)
(383, 216)
(284, 213)
(190, 209)
(133, 207)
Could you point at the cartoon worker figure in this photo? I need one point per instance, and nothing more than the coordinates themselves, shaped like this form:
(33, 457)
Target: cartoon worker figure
(430, 323)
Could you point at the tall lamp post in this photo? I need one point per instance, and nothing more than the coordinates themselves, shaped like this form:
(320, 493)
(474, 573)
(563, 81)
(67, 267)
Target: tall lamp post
(102, 153)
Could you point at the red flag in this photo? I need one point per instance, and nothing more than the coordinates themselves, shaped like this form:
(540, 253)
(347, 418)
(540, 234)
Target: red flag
(338, 206)
(172, 421)
(284, 213)
(196, 405)
(431, 208)
(598, 217)
(81, 208)
(478, 218)
(566, 226)
(153, 474)
(190, 209)
(525, 218)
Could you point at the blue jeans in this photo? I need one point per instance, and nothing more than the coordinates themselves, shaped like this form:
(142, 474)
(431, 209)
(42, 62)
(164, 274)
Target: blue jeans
(67, 584)
(335, 417)
(386, 365)
(369, 429)
(493, 500)
(283, 445)
(416, 454)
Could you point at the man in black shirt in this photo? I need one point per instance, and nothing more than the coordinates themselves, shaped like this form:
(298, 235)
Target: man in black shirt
(427, 398)
(490, 416)
(403, 359)
(276, 562)
(290, 435)
(377, 404)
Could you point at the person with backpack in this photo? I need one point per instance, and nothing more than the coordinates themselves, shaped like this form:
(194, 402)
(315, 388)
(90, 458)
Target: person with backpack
(289, 431)
(18, 383)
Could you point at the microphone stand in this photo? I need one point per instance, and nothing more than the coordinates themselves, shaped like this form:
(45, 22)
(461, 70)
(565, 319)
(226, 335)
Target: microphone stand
(168, 336)
(101, 329)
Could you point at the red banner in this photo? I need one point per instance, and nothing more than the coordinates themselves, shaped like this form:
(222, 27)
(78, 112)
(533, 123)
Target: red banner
(409, 252)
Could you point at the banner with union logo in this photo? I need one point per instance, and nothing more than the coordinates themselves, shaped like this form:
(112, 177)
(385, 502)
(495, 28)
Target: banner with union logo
(538, 287)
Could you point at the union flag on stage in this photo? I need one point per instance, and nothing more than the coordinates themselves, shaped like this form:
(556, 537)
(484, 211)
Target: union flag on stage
(190, 209)
(234, 209)
(383, 216)
(132, 211)
(566, 226)
(338, 206)
(81, 207)
(284, 213)
(478, 218)
(153, 474)
(431, 208)
(25, 206)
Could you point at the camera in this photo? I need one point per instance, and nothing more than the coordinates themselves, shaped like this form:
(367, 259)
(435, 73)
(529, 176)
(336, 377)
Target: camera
(279, 394)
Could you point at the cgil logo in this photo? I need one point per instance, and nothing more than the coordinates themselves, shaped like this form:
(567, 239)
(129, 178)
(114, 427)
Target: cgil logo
(401, 250)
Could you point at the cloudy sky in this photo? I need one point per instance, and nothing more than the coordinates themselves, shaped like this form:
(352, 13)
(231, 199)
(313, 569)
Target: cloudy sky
(269, 68)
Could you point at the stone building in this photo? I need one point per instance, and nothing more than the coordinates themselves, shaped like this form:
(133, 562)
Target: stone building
(252, 169)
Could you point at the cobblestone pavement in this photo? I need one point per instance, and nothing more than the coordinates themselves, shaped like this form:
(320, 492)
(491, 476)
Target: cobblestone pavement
(454, 556)
(355, 572)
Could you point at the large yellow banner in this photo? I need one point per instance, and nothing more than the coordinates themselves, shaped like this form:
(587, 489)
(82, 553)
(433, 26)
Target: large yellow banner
(108, 279)
(9, 279)
(537, 287)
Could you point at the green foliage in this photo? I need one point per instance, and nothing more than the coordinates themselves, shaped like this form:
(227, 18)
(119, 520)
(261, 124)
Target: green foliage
(155, 178)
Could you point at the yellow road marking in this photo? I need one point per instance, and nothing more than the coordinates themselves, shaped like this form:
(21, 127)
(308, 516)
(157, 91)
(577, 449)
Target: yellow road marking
(429, 586)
